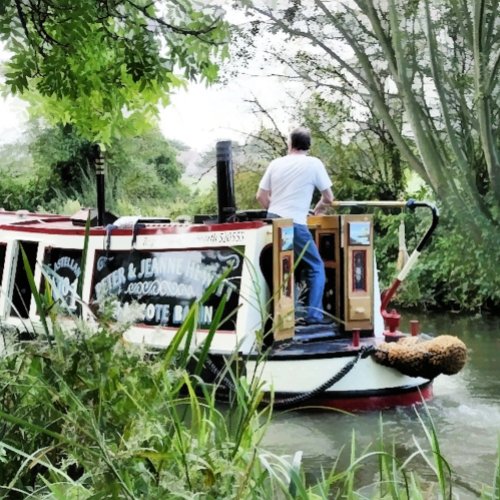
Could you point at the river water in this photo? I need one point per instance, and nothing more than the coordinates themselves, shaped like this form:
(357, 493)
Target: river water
(465, 411)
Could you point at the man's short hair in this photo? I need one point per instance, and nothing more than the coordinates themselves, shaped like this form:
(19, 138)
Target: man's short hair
(300, 139)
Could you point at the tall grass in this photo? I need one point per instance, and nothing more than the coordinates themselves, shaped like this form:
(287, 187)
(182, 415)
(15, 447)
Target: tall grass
(85, 415)
(117, 420)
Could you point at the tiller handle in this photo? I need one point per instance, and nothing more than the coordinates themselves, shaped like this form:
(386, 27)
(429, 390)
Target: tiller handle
(392, 318)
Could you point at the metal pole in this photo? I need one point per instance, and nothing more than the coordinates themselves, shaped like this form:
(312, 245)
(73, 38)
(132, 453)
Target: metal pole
(353, 203)
(99, 175)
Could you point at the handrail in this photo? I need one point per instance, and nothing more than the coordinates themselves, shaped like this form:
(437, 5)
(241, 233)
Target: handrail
(382, 204)
(412, 205)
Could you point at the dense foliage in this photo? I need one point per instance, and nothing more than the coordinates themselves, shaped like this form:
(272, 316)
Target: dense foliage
(89, 416)
(53, 169)
(95, 417)
(416, 87)
(452, 273)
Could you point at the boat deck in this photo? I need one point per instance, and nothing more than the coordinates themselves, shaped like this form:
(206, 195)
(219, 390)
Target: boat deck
(317, 341)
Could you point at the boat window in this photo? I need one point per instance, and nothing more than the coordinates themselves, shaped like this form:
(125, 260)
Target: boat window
(327, 246)
(62, 269)
(266, 265)
(21, 295)
(3, 248)
(157, 288)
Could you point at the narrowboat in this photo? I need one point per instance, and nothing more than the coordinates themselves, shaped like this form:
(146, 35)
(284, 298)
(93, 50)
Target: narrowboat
(155, 269)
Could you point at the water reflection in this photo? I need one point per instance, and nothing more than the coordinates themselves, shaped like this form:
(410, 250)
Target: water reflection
(465, 411)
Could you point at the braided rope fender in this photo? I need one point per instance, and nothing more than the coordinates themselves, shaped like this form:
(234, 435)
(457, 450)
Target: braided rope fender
(416, 357)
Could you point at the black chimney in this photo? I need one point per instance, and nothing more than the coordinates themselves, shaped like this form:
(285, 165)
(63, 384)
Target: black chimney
(99, 176)
(225, 182)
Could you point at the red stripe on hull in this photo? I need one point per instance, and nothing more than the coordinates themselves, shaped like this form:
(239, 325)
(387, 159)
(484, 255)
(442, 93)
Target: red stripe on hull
(66, 227)
(372, 402)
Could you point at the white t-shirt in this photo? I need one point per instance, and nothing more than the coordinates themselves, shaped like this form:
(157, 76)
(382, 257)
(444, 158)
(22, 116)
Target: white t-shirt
(291, 180)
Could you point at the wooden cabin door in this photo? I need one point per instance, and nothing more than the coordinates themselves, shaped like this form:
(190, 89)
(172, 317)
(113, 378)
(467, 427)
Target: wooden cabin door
(283, 282)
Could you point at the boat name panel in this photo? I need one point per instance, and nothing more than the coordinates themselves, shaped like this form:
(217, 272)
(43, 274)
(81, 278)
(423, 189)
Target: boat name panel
(222, 237)
(159, 287)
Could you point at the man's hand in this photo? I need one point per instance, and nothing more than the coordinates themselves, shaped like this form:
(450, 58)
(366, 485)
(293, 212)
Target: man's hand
(320, 209)
(263, 197)
(324, 202)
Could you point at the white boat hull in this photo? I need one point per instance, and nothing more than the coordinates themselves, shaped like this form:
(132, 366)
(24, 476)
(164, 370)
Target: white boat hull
(366, 386)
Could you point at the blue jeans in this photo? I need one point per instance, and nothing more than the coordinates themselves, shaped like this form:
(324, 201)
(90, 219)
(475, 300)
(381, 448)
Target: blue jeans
(315, 270)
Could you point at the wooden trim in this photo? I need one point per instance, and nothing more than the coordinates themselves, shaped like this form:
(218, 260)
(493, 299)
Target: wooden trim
(283, 282)
(358, 303)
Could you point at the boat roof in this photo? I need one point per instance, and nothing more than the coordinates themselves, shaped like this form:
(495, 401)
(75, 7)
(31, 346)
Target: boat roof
(32, 222)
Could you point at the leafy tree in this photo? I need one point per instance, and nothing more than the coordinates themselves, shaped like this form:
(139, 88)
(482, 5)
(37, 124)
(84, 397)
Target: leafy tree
(358, 152)
(167, 168)
(61, 158)
(16, 160)
(427, 70)
(424, 78)
(104, 66)
(146, 167)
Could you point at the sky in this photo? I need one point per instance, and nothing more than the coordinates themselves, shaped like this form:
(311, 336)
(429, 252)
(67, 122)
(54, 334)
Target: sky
(201, 116)
(13, 116)
(197, 116)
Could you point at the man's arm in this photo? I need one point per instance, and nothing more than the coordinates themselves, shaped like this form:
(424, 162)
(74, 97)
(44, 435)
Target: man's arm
(324, 202)
(263, 196)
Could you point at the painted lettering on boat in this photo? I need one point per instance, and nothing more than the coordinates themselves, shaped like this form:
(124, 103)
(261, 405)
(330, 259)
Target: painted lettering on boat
(164, 284)
(163, 314)
(62, 268)
(222, 237)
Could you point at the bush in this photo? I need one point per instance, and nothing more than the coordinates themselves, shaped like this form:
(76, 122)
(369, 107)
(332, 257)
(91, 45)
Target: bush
(453, 273)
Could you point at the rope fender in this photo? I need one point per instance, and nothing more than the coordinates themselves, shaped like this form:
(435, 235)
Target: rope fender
(421, 357)
(363, 352)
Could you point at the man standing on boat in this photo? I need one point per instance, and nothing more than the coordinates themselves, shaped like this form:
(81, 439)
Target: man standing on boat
(286, 190)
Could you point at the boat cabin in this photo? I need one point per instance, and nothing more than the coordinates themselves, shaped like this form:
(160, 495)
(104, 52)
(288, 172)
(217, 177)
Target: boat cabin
(156, 270)
(151, 271)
